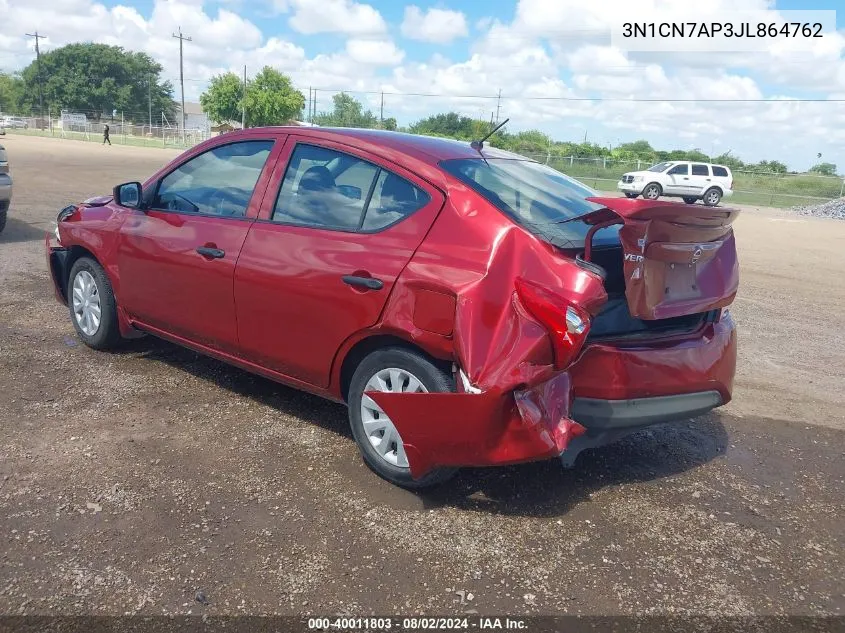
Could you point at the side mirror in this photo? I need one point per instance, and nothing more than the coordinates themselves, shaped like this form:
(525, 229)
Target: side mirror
(128, 195)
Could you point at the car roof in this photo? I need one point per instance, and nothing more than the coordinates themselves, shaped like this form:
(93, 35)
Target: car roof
(428, 149)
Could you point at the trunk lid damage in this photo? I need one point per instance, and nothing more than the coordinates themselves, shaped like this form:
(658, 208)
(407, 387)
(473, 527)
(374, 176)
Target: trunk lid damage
(514, 340)
(677, 259)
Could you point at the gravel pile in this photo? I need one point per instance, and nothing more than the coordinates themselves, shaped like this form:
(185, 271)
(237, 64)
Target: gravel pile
(832, 209)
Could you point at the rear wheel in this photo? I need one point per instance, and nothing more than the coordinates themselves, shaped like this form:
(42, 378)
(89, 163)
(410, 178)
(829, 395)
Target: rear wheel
(93, 310)
(712, 197)
(652, 191)
(392, 369)
(690, 199)
(3, 216)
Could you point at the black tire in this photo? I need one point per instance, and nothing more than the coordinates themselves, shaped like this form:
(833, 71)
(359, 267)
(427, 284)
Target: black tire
(3, 216)
(652, 191)
(107, 336)
(712, 196)
(631, 195)
(432, 377)
(690, 199)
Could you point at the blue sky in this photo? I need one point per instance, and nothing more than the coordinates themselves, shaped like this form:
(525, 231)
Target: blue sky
(540, 53)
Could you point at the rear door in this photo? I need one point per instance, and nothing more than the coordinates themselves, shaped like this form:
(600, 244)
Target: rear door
(336, 229)
(700, 178)
(176, 259)
(677, 180)
(678, 259)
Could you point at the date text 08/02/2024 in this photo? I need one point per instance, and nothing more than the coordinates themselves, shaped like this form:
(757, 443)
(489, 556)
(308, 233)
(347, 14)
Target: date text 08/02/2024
(721, 29)
(416, 624)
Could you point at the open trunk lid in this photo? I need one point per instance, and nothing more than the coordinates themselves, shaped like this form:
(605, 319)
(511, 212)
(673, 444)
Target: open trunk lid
(678, 259)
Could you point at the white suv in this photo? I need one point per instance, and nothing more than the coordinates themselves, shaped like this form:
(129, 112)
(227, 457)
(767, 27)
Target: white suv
(681, 179)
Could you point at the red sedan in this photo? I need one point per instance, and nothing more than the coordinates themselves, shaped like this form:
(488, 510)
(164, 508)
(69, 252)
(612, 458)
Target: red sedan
(471, 307)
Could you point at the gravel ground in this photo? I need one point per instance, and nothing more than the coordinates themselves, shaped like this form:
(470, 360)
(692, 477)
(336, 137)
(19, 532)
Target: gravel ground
(834, 209)
(131, 481)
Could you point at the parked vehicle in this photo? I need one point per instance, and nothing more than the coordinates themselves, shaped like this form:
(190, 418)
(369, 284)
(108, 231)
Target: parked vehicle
(680, 179)
(14, 122)
(472, 307)
(5, 188)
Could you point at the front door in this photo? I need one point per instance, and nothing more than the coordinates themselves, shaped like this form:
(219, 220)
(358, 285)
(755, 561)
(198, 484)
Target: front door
(320, 263)
(677, 183)
(176, 259)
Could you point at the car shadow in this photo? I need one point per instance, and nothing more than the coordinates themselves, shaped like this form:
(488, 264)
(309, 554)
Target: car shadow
(538, 489)
(19, 231)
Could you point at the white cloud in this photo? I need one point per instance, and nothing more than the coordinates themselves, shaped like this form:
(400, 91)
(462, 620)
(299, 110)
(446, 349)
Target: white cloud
(374, 52)
(336, 16)
(548, 52)
(439, 26)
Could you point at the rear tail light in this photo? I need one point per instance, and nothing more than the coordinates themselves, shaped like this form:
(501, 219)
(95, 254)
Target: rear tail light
(568, 325)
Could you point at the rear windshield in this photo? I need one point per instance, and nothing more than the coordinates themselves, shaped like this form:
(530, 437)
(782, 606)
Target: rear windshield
(535, 196)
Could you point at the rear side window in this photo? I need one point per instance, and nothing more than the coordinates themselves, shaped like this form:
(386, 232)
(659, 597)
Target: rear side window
(327, 189)
(679, 170)
(700, 170)
(720, 171)
(217, 182)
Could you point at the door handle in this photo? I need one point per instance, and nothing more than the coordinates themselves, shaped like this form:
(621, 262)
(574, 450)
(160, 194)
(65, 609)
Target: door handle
(368, 283)
(685, 178)
(211, 252)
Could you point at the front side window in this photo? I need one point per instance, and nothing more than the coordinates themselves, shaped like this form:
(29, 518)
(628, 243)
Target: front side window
(679, 170)
(324, 188)
(217, 182)
(699, 169)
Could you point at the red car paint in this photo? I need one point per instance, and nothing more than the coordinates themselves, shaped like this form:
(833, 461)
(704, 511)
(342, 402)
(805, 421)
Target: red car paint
(276, 305)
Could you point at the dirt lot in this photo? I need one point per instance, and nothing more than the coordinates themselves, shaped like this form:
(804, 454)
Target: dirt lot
(130, 481)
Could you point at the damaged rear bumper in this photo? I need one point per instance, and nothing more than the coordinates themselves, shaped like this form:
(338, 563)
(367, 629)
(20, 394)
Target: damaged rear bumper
(607, 394)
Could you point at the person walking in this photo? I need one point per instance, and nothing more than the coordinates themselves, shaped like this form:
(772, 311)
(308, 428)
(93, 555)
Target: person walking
(106, 138)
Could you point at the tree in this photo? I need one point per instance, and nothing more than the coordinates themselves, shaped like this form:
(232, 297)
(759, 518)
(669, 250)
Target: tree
(271, 99)
(11, 93)
(347, 112)
(96, 79)
(389, 124)
(449, 124)
(223, 99)
(824, 169)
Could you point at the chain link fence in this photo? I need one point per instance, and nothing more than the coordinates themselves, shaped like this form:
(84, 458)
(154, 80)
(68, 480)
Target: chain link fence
(601, 173)
(120, 132)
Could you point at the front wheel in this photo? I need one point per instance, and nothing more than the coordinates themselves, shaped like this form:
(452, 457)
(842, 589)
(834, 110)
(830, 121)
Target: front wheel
(712, 197)
(652, 191)
(392, 369)
(93, 310)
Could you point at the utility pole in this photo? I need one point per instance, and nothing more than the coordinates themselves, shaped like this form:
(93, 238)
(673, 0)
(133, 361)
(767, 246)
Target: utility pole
(182, 38)
(38, 71)
(314, 105)
(381, 111)
(308, 118)
(150, 100)
(243, 103)
(498, 105)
